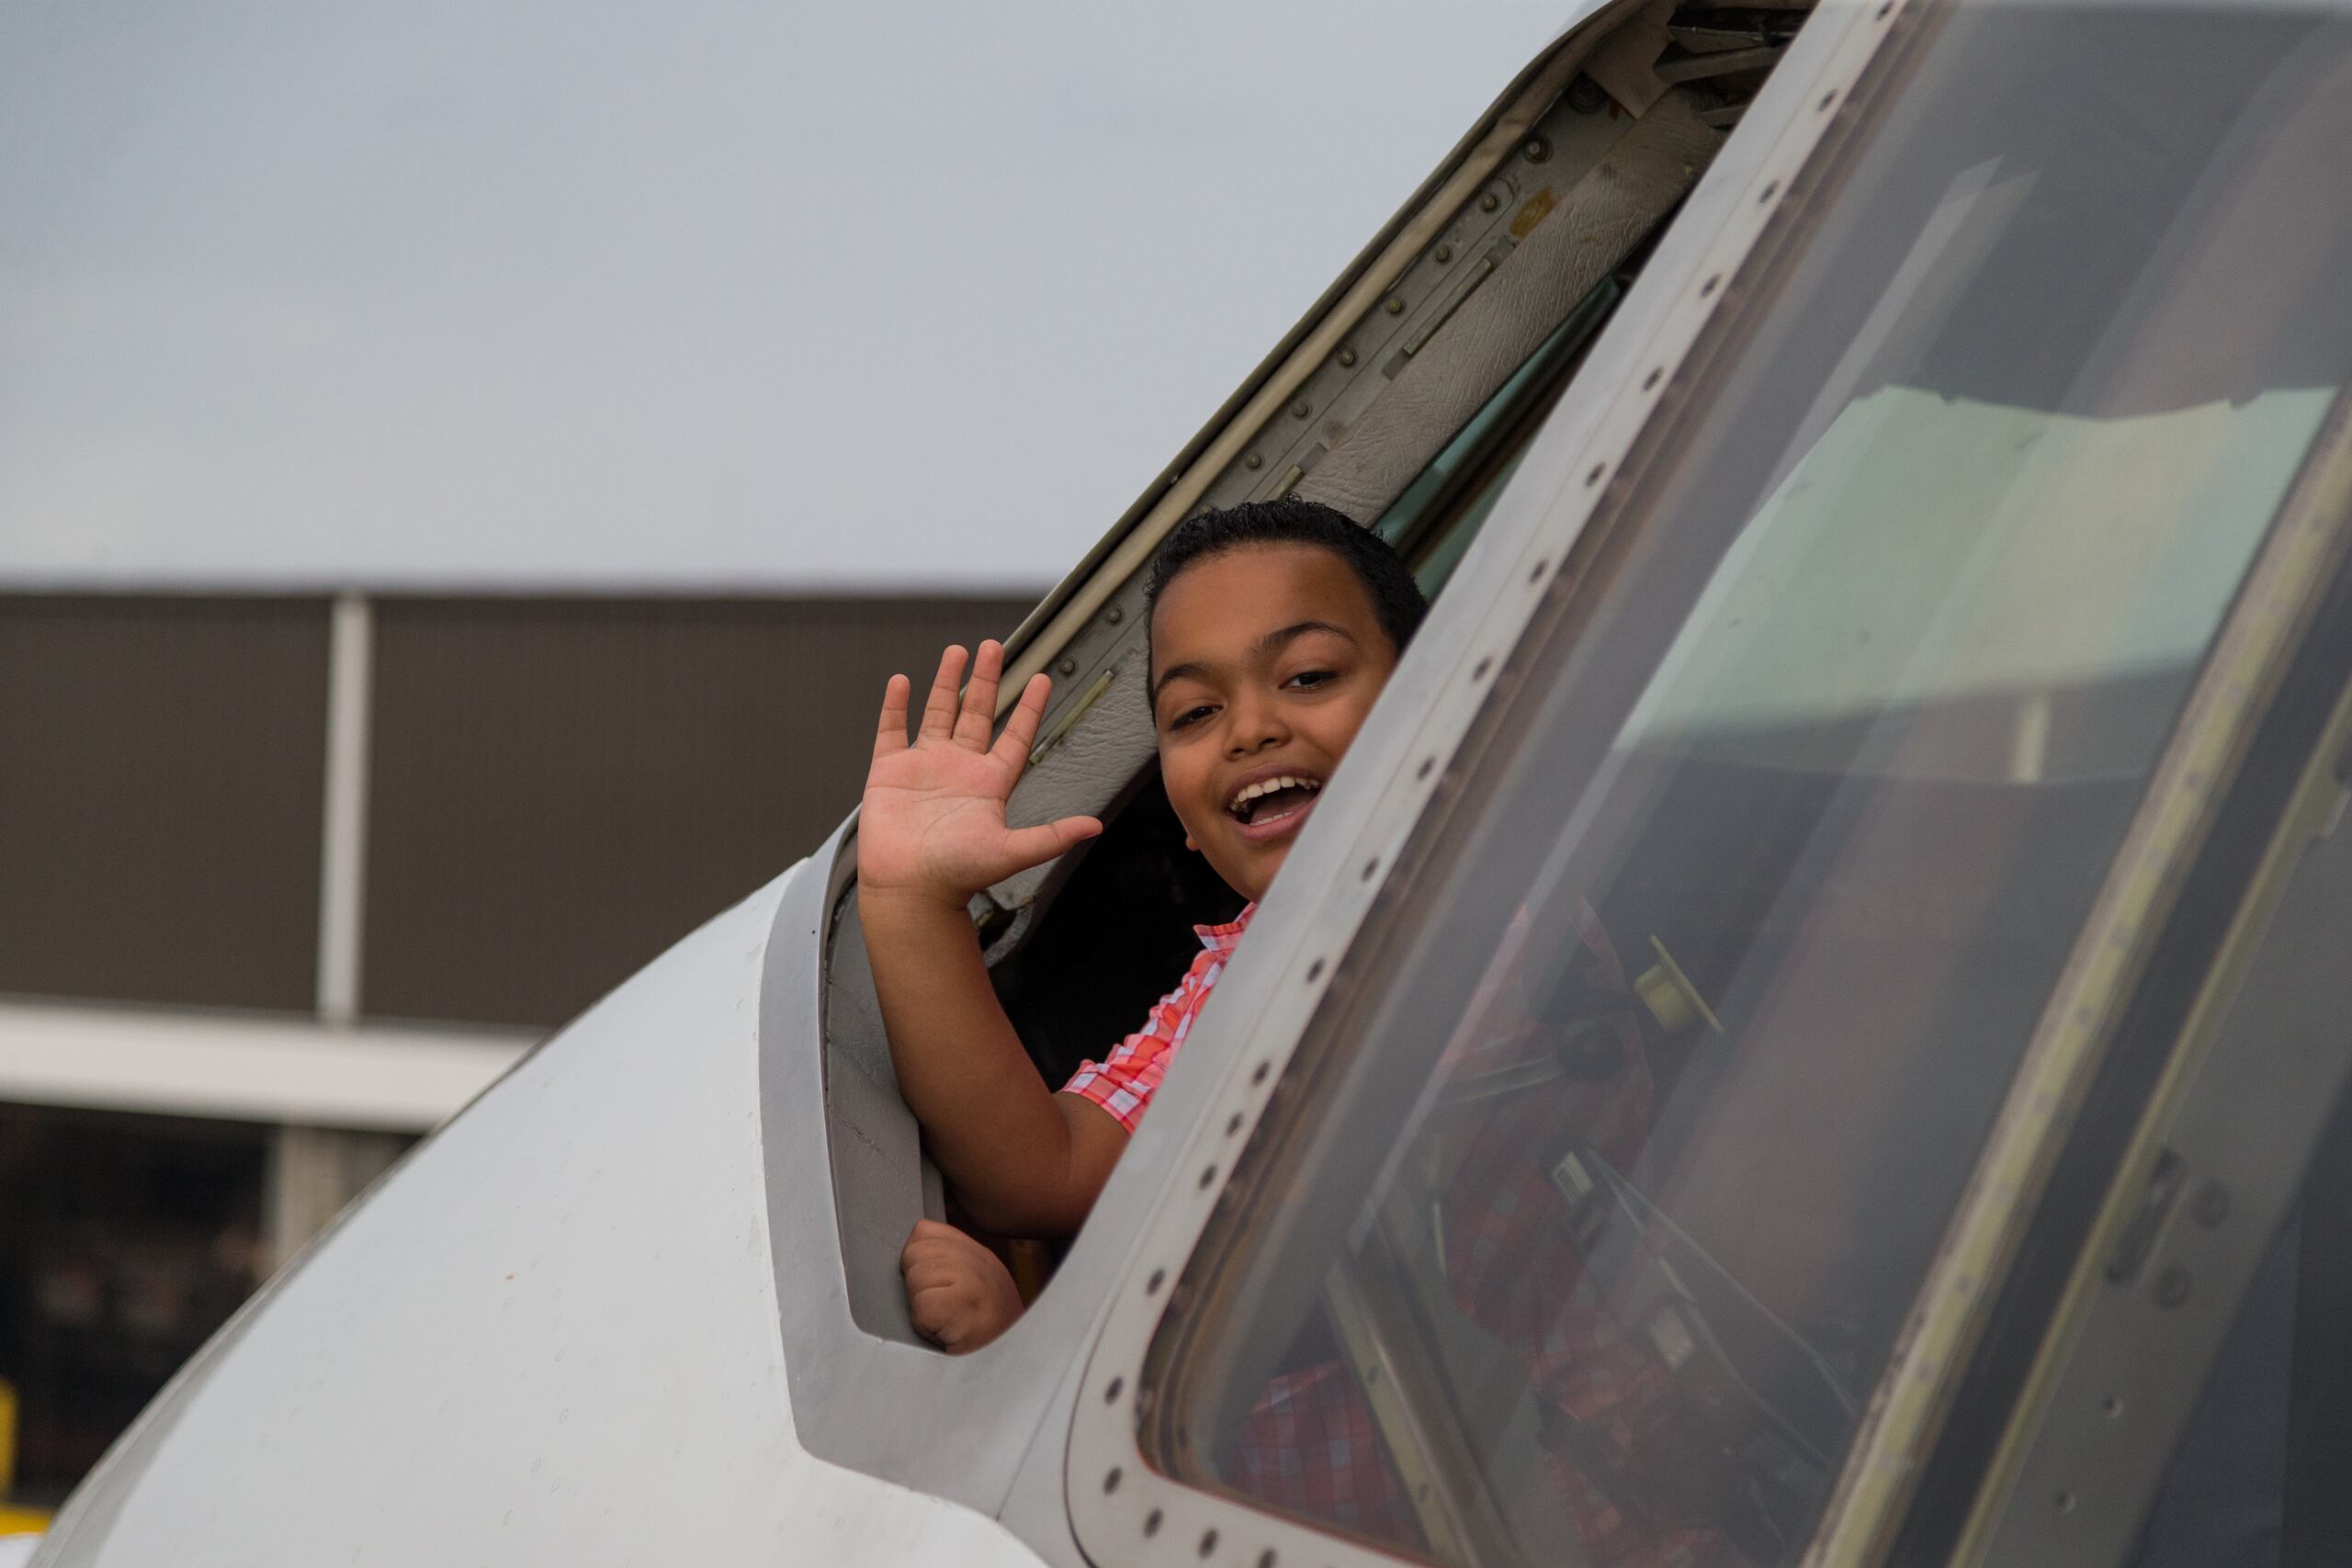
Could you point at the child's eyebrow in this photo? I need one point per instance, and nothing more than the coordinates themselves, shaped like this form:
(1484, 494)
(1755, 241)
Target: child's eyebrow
(1174, 673)
(1272, 642)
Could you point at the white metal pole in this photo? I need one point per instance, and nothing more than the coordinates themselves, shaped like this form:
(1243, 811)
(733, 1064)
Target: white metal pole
(343, 867)
(311, 1169)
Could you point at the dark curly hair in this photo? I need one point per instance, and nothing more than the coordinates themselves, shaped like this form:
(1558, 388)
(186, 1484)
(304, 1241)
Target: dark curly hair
(1397, 600)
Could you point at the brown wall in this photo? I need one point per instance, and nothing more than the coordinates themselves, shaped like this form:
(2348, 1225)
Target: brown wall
(563, 789)
(557, 789)
(160, 772)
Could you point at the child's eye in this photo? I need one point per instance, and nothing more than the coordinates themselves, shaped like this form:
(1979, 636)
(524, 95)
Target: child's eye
(1307, 680)
(1189, 717)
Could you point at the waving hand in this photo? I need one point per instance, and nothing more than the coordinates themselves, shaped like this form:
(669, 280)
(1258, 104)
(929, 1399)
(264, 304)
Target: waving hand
(933, 824)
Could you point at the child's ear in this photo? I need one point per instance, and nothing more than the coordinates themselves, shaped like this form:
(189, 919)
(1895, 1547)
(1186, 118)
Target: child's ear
(1190, 845)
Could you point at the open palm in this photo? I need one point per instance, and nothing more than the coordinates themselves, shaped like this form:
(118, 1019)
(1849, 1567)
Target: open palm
(932, 822)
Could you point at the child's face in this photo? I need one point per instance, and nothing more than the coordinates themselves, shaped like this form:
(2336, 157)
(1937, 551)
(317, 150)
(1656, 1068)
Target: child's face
(1265, 659)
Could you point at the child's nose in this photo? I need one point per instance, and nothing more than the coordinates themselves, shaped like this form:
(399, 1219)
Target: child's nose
(1256, 726)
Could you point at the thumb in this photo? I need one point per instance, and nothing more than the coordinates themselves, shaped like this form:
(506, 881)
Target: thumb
(1034, 846)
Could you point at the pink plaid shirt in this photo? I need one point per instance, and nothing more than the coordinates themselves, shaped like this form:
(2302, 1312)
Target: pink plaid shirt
(1124, 1081)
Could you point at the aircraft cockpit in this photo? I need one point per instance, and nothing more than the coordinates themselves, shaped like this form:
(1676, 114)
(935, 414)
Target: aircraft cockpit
(1808, 1026)
(1412, 418)
(1605, 1221)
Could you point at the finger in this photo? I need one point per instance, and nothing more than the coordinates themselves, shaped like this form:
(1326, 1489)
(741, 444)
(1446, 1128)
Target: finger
(1021, 728)
(939, 709)
(929, 1238)
(941, 1307)
(978, 715)
(891, 734)
(1035, 846)
(930, 1319)
(930, 1274)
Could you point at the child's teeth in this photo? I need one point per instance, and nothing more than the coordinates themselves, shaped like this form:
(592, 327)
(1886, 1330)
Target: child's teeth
(1268, 786)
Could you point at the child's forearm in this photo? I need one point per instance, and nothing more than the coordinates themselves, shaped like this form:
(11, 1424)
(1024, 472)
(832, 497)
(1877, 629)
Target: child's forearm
(1020, 1160)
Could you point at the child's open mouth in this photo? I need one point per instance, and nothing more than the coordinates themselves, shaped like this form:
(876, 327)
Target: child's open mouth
(1269, 807)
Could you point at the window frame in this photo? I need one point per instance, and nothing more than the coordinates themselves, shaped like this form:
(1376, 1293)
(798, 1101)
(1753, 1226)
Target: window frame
(2118, 1364)
(879, 1401)
(2107, 1377)
(1123, 1510)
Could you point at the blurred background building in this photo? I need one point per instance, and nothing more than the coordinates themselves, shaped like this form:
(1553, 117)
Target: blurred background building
(465, 474)
(288, 879)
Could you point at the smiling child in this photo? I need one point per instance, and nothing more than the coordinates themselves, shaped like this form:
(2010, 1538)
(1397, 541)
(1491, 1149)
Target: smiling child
(1273, 626)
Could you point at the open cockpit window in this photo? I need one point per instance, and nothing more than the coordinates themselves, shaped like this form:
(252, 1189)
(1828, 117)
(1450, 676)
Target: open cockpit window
(1073, 987)
(1590, 1215)
(1407, 406)
(1413, 424)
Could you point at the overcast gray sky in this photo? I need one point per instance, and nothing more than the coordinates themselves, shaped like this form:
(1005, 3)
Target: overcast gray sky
(690, 294)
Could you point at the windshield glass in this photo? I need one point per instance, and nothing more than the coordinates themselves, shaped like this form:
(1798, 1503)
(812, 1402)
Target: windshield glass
(1620, 1160)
